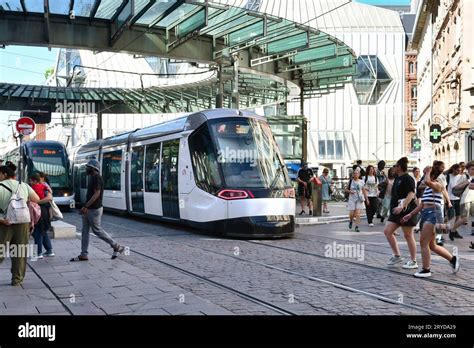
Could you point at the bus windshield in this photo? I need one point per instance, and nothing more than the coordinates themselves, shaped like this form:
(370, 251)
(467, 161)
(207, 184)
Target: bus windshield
(248, 154)
(52, 161)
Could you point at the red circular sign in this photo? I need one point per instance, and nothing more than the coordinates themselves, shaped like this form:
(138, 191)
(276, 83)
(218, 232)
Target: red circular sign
(25, 126)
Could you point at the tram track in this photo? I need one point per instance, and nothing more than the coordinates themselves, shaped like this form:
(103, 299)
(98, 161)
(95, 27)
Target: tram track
(287, 271)
(299, 274)
(312, 278)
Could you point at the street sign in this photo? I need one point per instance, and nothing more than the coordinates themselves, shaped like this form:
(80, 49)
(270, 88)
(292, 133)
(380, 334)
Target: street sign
(435, 133)
(25, 126)
(416, 145)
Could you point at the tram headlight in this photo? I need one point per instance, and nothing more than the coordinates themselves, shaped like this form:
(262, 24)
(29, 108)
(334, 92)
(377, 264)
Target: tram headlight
(232, 194)
(66, 194)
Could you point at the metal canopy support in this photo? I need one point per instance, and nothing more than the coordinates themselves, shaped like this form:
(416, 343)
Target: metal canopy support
(94, 9)
(235, 81)
(304, 139)
(46, 20)
(99, 125)
(220, 89)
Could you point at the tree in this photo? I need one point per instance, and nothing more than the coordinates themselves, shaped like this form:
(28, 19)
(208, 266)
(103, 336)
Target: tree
(48, 72)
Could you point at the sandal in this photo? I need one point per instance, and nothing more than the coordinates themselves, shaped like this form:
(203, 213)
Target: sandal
(79, 258)
(472, 245)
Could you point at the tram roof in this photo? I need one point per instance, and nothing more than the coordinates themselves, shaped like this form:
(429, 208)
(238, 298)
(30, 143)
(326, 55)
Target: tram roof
(277, 55)
(188, 122)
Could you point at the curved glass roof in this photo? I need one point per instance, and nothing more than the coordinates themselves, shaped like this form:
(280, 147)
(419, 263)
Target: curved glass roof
(199, 30)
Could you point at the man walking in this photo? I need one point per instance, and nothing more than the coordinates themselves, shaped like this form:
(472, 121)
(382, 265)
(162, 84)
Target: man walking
(305, 175)
(92, 213)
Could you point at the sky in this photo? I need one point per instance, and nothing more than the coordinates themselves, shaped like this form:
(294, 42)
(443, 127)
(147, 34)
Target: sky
(23, 65)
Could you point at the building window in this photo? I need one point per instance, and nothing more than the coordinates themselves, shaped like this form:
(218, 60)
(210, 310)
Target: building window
(413, 114)
(413, 92)
(371, 80)
(152, 168)
(411, 67)
(111, 170)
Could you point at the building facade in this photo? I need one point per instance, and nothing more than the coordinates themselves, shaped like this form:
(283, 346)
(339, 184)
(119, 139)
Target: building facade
(442, 36)
(366, 119)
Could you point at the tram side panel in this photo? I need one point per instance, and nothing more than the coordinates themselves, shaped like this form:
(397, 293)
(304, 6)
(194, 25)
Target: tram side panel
(197, 207)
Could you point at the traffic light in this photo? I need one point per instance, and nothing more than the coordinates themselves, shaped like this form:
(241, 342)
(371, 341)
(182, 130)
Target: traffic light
(39, 114)
(435, 133)
(415, 145)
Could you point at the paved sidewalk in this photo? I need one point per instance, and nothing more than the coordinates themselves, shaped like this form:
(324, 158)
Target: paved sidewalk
(55, 286)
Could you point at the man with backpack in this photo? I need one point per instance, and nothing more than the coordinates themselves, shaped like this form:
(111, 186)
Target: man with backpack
(15, 220)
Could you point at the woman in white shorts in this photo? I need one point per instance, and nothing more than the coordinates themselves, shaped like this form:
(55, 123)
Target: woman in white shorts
(357, 197)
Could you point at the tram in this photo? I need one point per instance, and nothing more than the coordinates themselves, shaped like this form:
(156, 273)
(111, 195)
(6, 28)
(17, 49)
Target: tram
(51, 158)
(218, 170)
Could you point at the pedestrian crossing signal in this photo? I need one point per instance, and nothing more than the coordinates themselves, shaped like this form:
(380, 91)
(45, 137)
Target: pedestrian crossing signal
(415, 145)
(435, 133)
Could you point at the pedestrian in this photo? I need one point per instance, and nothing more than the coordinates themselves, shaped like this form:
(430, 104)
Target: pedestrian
(453, 178)
(362, 171)
(402, 202)
(305, 177)
(466, 200)
(40, 230)
(430, 216)
(388, 195)
(382, 186)
(326, 189)
(415, 173)
(14, 236)
(371, 188)
(92, 213)
(357, 197)
(464, 170)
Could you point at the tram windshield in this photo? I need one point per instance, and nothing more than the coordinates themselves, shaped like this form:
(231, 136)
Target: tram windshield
(51, 160)
(248, 154)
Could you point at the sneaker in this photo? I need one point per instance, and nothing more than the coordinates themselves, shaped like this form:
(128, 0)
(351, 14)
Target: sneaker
(451, 236)
(424, 273)
(310, 212)
(472, 233)
(371, 225)
(472, 245)
(357, 229)
(302, 212)
(395, 260)
(49, 254)
(410, 265)
(118, 249)
(350, 225)
(457, 235)
(382, 220)
(455, 264)
(37, 257)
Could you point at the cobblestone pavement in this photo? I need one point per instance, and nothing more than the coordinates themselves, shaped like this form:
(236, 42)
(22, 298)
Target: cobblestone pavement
(175, 270)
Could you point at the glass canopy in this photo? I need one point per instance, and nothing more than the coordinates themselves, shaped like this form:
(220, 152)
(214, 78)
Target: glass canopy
(315, 61)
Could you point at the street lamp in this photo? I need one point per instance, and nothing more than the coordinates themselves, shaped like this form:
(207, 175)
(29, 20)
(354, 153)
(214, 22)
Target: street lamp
(374, 153)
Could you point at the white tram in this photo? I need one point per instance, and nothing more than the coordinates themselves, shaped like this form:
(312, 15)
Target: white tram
(218, 170)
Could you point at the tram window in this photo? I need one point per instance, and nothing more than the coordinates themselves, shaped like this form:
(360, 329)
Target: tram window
(204, 160)
(112, 168)
(83, 176)
(152, 168)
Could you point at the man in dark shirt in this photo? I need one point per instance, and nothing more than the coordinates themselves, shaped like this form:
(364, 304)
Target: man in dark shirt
(305, 175)
(92, 213)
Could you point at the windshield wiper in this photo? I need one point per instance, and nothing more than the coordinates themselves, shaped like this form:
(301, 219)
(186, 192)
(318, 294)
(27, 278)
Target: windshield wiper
(277, 176)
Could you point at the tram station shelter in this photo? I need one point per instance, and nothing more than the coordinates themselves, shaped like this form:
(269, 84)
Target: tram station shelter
(292, 55)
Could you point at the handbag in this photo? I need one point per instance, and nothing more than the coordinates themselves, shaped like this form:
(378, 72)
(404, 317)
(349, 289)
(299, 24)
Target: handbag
(55, 212)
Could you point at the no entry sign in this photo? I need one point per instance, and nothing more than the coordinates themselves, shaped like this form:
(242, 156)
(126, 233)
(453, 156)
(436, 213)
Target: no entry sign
(25, 126)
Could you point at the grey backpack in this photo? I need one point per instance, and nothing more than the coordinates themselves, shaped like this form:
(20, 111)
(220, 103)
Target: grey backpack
(17, 209)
